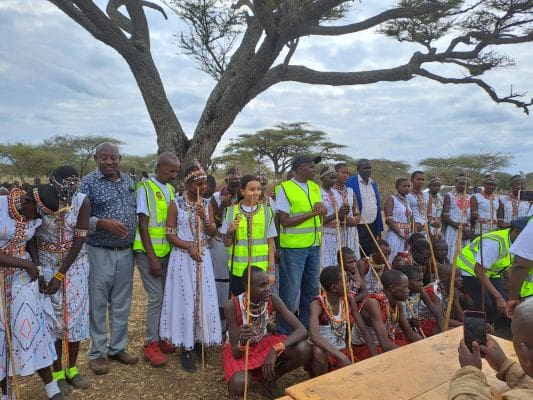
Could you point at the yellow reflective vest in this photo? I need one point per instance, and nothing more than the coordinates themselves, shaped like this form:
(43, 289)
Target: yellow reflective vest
(260, 220)
(467, 258)
(527, 286)
(158, 210)
(307, 233)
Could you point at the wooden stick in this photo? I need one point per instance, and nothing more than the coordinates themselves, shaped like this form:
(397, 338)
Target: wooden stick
(433, 259)
(320, 266)
(454, 264)
(377, 245)
(482, 281)
(66, 356)
(337, 224)
(419, 330)
(248, 290)
(7, 326)
(200, 265)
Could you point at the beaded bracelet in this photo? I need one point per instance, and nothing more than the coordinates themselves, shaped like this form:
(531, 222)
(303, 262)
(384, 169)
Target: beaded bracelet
(81, 233)
(59, 276)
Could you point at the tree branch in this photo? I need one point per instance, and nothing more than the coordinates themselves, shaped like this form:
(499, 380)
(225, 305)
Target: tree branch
(292, 48)
(482, 84)
(395, 13)
(266, 16)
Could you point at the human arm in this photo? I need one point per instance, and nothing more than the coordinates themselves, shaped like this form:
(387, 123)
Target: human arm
(80, 234)
(406, 328)
(238, 335)
(172, 237)
(373, 311)
(363, 291)
(360, 322)
(519, 274)
(485, 281)
(446, 212)
(469, 382)
(271, 261)
(13, 262)
(389, 206)
(474, 209)
(433, 309)
(500, 214)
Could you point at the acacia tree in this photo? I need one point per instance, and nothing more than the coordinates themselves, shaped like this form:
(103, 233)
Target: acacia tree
(281, 144)
(239, 44)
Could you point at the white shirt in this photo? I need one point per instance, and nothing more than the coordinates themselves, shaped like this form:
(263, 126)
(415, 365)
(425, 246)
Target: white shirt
(523, 245)
(142, 201)
(282, 203)
(369, 206)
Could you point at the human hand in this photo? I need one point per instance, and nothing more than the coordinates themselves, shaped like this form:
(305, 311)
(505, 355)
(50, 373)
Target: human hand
(268, 370)
(318, 208)
(271, 279)
(510, 306)
(114, 227)
(53, 286)
(466, 357)
(501, 305)
(493, 353)
(200, 211)
(155, 267)
(245, 333)
(194, 252)
(32, 271)
(416, 322)
(345, 360)
(234, 225)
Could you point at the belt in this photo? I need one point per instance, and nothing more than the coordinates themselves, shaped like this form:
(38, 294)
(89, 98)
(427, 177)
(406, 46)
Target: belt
(116, 248)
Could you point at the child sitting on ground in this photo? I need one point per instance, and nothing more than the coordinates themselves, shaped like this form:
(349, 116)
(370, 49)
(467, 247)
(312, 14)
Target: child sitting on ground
(355, 284)
(328, 324)
(370, 269)
(270, 356)
(441, 251)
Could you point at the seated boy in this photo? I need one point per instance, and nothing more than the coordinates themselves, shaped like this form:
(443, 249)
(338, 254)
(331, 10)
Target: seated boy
(440, 247)
(370, 269)
(329, 321)
(270, 356)
(355, 284)
(384, 316)
(470, 383)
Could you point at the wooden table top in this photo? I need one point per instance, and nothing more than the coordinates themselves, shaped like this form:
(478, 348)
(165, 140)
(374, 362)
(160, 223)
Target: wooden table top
(421, 370)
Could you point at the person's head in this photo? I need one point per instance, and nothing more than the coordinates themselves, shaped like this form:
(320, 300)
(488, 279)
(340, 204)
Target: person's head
(445, 273)
(331, 280)
(66, 181)
(211, 186)
(233, 179)
(37, 180)
(144, 174)
(415, 275)
(250, 189)
(385, 249)
(434, 185)
(107, 158)
(25, 186)
(328, 177)
(417, 180)
(364, 168)
(259, 286)
(522, 329)
(342, 172)
(414, 237)
(517, 183)
(132, 171)
(38, 201)
(489, 183)
(290, 175)
(348, 259)
(402, 186)
(440, 247)
(167, 167)
(396, 284)
(421, 252)
(195, 180)
(461, 183)
(304, 166)
(517, 225)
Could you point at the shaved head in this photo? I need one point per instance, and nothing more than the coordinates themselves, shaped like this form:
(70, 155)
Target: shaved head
(106, 146)
(522, 322)
(168, 157)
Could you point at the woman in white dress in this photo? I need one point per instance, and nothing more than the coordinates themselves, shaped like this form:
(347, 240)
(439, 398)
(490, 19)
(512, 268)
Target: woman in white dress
(61, 241)
(349, 233)
(455, 212)
(418, 201)
(398, 217)
(484, 207)
(435, 204)
(332, 201)
(510, 206)
(189, 314)
(27, 347)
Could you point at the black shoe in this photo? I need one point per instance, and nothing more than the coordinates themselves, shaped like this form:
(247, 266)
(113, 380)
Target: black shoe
(187, 361)
(198, 351)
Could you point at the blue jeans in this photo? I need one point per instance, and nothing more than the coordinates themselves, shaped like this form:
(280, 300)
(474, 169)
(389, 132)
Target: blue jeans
(298, 273)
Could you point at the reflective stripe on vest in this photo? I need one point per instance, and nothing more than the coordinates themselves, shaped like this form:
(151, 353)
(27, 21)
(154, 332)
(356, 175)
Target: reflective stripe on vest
(527, 286)
(260, 221)
(307, 233)
(466, 261)
(158, 210)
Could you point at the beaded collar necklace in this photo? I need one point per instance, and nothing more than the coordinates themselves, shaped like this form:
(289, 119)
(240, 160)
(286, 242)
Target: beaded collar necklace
(15, 204)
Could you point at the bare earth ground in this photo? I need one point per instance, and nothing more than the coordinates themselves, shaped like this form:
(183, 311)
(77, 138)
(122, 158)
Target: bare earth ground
(141, 381)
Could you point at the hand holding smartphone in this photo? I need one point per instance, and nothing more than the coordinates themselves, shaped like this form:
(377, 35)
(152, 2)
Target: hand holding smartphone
(475, 328)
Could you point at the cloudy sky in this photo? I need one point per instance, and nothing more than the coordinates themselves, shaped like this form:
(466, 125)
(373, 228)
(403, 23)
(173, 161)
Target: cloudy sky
(56, 79)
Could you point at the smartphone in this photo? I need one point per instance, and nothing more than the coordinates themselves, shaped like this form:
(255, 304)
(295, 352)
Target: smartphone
(475, 323)
(525, 195)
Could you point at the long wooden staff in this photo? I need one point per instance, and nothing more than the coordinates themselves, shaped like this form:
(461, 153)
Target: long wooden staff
(248, 290)
(66, 350)
(424, 211)
(482, 281)
(347, 305)
(320, 266)
(455, 255)
(7, 326)
(200, 266)
(370, 265)
(377, 245)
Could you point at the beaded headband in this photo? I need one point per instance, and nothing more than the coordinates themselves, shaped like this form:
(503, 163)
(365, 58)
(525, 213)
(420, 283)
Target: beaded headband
(328, 172)
(42, 210)
(435, 179)
(489, 178)
(261, 176)
(67, 187)
(235, 176)
(196, 174)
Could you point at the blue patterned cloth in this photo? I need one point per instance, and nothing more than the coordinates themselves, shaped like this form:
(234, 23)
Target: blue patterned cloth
(113, 200)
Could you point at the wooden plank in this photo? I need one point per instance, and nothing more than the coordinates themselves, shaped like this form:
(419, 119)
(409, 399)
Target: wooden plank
(285, 398)
(404, 373)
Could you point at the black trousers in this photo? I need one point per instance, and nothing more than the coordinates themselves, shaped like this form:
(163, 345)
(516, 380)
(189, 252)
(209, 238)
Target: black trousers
(365, 240)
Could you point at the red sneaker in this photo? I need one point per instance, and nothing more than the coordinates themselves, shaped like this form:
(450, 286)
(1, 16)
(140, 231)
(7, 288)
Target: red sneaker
(153, 354)
(166, 347)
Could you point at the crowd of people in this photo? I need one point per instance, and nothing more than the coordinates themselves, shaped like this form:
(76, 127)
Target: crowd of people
(307, 275)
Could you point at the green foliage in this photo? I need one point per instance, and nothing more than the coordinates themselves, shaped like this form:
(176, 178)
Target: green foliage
(138, 163)
(27, 160)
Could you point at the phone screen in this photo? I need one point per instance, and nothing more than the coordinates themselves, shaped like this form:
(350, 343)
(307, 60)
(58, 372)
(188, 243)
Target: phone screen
(525, 195)
(475, 328)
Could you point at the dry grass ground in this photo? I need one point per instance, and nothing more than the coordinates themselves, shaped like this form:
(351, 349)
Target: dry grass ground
(141, 381)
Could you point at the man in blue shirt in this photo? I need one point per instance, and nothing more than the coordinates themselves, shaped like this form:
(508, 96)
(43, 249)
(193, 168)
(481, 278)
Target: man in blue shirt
(111, 232)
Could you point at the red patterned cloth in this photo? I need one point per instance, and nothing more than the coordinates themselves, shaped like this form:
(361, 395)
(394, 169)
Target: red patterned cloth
(334, 363)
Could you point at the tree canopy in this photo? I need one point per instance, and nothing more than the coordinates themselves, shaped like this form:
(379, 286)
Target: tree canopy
(248, 45)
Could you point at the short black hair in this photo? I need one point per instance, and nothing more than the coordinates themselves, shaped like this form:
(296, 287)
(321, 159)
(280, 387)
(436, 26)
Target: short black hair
(339, 166)
(47, 194)
(344, 250)
(330, 276)
(414, 238)
(416, 173)
(381, 243)
(419, 246)
(211, 181)
(410, 270)
(399, 182)
(65, 172)
(391, 277)
(254, 270)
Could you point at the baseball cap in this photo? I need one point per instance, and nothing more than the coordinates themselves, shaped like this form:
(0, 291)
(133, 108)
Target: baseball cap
(304, 159)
